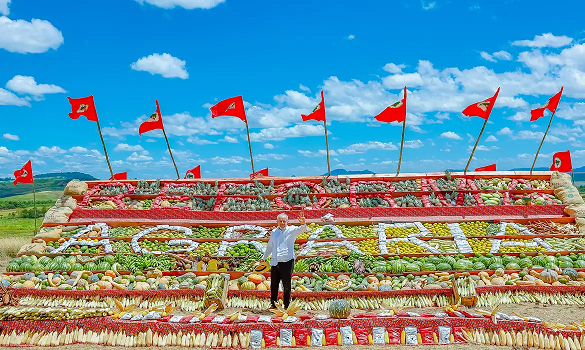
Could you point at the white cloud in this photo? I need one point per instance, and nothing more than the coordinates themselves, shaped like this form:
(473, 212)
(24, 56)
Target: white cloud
(320, 153)
(135, 157)
(491, 138)
(451, 135)
(228, 160)
(198, 141)
(304, 88)
(187, 4)
(11, 137)
(150, 140)
(398, 81)
(53, 151)
(229, 139)
(278, 134)
(124, 147)
(351, 37)
(522, 116)
(394, 68)
(413, 144)
(270, 156)
(268, 146)
(165, 65)
(36, 36)
(78, 149)
(364, 147)
(4, 9)
(28, 85)
(428, 5)
(503, 55)
(7, 98)
(486, 56)
(545, 40)
(505, 131)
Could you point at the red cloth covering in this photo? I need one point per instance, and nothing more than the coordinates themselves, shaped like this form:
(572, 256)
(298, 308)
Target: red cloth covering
(331, 336)
(270, 338)
(301, 335)
(252, 319)
(361, 334)
(426, 335)
(458, 335)
(208, 319)
(394, 335)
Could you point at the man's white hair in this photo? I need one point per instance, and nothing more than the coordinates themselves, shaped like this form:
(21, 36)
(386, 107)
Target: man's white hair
(282, 215)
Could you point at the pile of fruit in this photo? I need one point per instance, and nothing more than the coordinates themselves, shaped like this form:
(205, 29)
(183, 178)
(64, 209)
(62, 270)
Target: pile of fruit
(477, 228)
(175, 203)
(145, 188)
(494, 198)
(335, 186)
(101, 204)
(374, 201)
(256, 188)
(437, 229)
(373, 186)
(202, 204)
(136, 204)
(249, 204)
(498, 184)
(199, 189)
(242, 249)
(534, 199)
(358, 231)
(207, 232)
(125, 231)
(338, 202)
(407, 185)
(404, 247)
(112, 190)
(408, 201)
(398, 231)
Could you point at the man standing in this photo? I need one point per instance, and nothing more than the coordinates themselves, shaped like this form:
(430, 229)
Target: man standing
(281, 246)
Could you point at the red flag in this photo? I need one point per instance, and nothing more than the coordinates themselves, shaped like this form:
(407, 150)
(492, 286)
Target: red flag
(120, 176)
(263, 172)
(395, 112)
(83, 106)
(551, 105)
(318, 112)
(194, 173)
(562, 162)
(232, 106)
(24, 175)
(153, 122)
(482, 109)
(491, 167)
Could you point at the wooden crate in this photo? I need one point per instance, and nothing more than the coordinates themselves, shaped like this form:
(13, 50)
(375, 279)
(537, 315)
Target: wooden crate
(468, 301)
(221, 303)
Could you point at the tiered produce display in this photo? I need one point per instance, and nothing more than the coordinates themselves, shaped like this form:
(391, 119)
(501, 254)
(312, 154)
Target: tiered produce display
(177, 261)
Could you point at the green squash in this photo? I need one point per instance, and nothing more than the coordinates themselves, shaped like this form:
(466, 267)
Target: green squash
(444, 267)
(339, 309)
(428, 267)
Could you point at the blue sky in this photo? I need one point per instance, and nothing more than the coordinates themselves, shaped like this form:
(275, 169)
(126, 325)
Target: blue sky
(190, 54)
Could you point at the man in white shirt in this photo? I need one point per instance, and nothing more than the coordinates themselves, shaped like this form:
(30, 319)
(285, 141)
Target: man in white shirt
(281, 246)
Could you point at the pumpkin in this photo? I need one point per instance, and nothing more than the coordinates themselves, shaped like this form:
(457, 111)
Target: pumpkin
(28, 284)
(373, 287)
(572, 273)
(110, 273)
(263, 286)
(339, 309)
(255, 278)
(104, 285)
(373, 279)
(248, 285)
(385, 282)
(234, 286)
(141, 286)
(549, 276)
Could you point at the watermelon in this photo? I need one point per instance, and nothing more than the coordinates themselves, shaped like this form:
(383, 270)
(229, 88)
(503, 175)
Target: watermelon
(564, 264)
(479, 266)
(90, 266)
(463, 265)
(496, 260)
(398, 267)
(525, 263)
(26, 266)
(485, 260)
(506, 259)
(71, 259)
(449, 260)
(539, 260)
(579, 264)
(59, 258)
(110, 259)
(339, 309)
(412, 267)
(444, 267)
(428, 267)
(496, 266)
(77, 267)
(550, 265)
(12, 267)
(512, 266)
(551, 259)
(37, 267)
(45, 260)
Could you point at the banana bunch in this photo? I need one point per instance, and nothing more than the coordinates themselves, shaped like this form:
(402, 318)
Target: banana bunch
(526, 339)
(37, 313)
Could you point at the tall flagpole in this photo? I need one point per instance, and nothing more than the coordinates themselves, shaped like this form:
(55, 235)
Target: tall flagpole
(327, 147)
(542, 141)
(250, 146)
(401, 144)
(171, 153)
(474, 147)
(105, 152)
(34, 205)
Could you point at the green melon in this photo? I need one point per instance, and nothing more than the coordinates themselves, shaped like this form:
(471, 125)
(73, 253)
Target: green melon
(428, 267)
(339, 309)
(12, 267)
(110, 259)
(496, 260)
(496, 266)
(565, 264)
(26, 266)
(434, 260)
(449, 260)
(412, 268)
(444, 267)
(77, 267)
(512, 266)
(398, 267)
(539, 260)
(525, 263)
(507, 259)
(479, 266)
(59, 258)
(90, 266)
(579, 264)
(45, 260)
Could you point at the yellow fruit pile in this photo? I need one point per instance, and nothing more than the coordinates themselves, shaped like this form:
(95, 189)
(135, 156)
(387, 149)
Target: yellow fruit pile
(369, 246)
(404, 248)
(480, 245)
(401, 231)
(474, 228)
(438, 229)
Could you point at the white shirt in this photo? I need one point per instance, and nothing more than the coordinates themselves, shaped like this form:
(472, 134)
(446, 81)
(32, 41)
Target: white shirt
(283, 241)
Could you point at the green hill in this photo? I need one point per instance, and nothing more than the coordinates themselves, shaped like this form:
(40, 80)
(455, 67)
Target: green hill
(43, 182)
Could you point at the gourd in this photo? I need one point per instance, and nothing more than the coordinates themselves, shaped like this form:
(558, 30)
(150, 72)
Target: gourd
(139, 286)
(248, 285)
(549, 276)
(572, 273)
(339, 309)
(255, 278)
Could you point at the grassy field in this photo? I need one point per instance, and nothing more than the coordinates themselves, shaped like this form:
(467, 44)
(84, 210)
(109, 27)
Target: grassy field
(42, 196)
(14, 228)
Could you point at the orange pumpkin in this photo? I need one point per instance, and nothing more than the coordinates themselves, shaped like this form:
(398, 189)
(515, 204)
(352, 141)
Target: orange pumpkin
(373, 286)
(255, 278)
(110, 273)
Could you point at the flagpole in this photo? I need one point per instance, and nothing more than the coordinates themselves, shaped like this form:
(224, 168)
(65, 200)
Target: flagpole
(171, 152)
(542, 141)
(474, 147)
(327, 147)
(34, 205)
(250, 146)
(401, 144)
(105, 152)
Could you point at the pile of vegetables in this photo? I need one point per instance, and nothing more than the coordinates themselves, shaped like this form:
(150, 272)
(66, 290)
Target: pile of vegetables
(256, 188)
